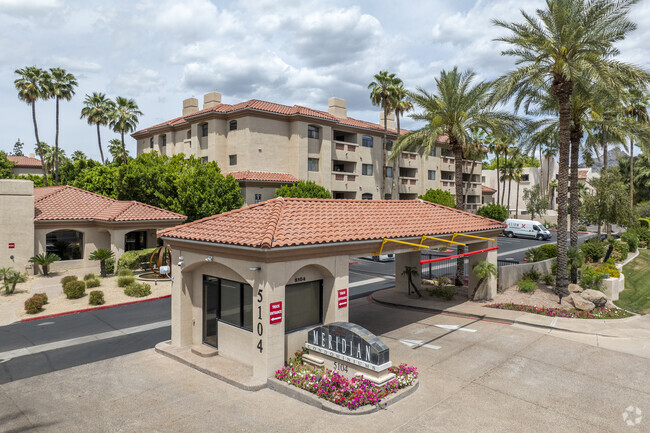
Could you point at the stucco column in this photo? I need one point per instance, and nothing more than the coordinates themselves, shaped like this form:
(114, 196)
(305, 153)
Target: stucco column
(268, 339)
(182, 320)
(331, 310)
(488, 288)
(402, 260)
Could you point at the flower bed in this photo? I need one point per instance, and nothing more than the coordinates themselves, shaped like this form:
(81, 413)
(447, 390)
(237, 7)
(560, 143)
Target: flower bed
(596, 313)
(351, 393)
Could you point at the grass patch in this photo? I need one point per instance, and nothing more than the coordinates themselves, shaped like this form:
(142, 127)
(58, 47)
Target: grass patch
(636, 296)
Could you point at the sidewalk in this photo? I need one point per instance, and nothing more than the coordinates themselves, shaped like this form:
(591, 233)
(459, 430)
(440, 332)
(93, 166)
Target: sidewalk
(630, 335)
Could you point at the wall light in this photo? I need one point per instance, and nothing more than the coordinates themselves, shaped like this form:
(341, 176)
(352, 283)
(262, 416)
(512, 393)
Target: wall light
(255, 268)
(208, 259)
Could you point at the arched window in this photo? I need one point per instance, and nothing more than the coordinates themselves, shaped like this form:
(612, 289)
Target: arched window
(67, 244)
(366, 196)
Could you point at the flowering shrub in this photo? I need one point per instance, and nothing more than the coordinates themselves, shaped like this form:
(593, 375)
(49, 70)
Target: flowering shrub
(332, 386)
(596, 313)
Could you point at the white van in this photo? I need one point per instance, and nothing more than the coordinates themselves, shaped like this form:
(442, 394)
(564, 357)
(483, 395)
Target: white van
(526, 229)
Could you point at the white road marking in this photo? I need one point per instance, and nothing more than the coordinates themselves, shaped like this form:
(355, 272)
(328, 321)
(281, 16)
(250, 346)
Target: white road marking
(45, 324)
(31, 350)
(553, 322)
(368, 281)
(418, 343)
(455, 328)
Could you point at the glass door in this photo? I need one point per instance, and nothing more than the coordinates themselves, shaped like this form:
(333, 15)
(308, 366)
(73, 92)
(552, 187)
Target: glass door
(210, 308)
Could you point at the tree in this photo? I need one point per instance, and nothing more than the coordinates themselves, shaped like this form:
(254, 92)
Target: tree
(61, 86)
(536, 202)
(124, 118)
(568, 38)
(410, 272)
(32, 85)
(5, 166)
(439, 196)
(97, 109)
(11, 279)
(115, 149)
(641, 176)
(494, 211)
(44, 261)
(303, 189)
(99, 179)
(78, 155)
(401, 104)
(18, 148)
(483, 270)
(637, 110)
(102, 255)
(608, 202)
(381, 94)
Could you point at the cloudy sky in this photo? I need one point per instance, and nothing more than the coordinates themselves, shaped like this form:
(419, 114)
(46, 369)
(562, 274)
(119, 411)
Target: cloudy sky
(160, 52)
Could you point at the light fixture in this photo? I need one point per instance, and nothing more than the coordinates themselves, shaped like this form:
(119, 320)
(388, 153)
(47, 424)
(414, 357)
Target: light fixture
(255, 268)
(208, 259)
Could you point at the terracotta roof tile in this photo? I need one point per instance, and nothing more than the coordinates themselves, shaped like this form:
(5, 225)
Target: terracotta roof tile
(263, 176)
(283, 222)
(488, 190)
(25, 161)
(70, 203)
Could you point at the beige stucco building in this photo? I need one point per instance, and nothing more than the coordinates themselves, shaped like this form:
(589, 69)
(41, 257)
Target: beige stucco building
(341, 153)
(26, 165)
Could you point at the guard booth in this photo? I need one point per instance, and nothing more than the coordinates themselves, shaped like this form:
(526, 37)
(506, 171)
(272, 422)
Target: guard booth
(251, 282)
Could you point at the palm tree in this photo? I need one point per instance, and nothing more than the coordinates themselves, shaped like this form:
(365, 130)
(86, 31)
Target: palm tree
(61, 86)
(400, 103)
(566, 39)
(518, 169)
(483, 270)
(32, 86)
(410, 272)
(124, 118)
(636, 109)
(97, 108)
(102, 255)
(476, 151)
(115, 149)
(45, 260)
(78, 155)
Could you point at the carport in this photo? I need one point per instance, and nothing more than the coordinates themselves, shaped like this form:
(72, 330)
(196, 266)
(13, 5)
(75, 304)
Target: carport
(249, 284)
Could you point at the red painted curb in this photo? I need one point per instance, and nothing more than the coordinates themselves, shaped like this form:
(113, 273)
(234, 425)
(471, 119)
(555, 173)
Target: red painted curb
(101, 307)
(353, 263)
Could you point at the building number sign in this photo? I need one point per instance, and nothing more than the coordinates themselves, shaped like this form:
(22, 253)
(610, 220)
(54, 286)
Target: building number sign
(260, 327)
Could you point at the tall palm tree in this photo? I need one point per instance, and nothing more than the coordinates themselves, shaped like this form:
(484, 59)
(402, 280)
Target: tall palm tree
(78, 155)
(61, 86)
(476, 152)
(381, 94)
(636, 109)
(32, 85)
(563, 40)
(400, 103)
(124, 118)
(97, 108)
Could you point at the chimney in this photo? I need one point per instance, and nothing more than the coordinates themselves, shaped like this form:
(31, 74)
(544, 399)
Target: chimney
(190, 105)
(391, 119)
(337, 108)
(31, 155)
(211, 99)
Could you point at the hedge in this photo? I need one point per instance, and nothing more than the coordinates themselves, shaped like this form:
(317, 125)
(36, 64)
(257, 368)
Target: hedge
(134, 259)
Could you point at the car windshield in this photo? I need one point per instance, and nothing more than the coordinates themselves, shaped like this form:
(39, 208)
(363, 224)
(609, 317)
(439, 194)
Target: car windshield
(542, 228)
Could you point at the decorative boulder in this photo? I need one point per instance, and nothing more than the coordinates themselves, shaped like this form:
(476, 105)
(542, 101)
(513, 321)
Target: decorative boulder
(597, 298)
(581, 303)
(574, 288)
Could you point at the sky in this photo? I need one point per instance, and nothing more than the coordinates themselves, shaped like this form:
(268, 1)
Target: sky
(159, 52)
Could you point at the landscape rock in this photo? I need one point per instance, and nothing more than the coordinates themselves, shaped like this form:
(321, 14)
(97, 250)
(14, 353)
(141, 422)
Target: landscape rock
(597, 298)
(581, 303)
(574, 288)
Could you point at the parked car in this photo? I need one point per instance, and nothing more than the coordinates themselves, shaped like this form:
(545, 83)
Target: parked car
(526, 229)
(382, 257)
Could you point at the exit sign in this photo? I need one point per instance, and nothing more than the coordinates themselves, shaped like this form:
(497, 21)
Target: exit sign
(12, 245)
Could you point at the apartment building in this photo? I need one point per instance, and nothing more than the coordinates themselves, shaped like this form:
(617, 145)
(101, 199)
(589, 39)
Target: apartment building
(342, 154)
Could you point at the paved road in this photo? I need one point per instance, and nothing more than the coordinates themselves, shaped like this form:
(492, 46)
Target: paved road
(516, 248)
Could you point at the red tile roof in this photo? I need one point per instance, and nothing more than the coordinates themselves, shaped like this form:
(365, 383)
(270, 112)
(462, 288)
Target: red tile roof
(25, 161)
(54, 203)
(263, 176)
(284, 222)
(488, 190)
(582, 173)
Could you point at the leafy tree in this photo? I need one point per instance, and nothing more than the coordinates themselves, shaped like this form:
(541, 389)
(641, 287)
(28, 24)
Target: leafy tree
(5, 166)
(18, 148)
(494, 211)
(61, 86)
(536, 203)
(124, 118)
(102, 255)
(71, 169)
(97, 109)
(303, 189)
(641, 176)
(439, 196)
(99, 179)
(32, 85)
(78, 155)
(608, 202)
(44, 261)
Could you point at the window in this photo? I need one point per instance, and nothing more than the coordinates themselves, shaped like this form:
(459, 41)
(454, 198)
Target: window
(313, 131)
(135, 241)
(204, 130)
(525, 177)
(164, 140)
(258, 198)
(233, 159)
(312, 164)
(433, 152)
(304, 305)
(432, 175)
(151, 143)
(232, 126)
(482, 179)
(189, 134)
(235, 305)
(389, 171)
(204, 159)
(366, 196)
(366, 141)
(67, 244)
(389, 145)
(366, 169)
(388, 196)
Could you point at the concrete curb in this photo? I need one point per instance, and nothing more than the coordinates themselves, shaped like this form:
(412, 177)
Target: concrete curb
(312, 400)
(100, 307)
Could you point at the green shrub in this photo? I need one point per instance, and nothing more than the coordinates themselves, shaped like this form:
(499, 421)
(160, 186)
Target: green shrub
(42, 297)
(96, 297)
(125, 273)
(532, 275)
(643, 233)
(494, 211)
(527, 286)
(445, 292)
(137, 290)
(550, 250)
(549, 279)
(134, 259)
(593, 250)
(125, 280)
(632, 239)
(92, 283)
(622, 248)
(535, 255)
(74, 289)
(610, 268)
(34, 304)
(90, 276)
(67, 279)
(592, 277)
(582, 228)
(110, 266)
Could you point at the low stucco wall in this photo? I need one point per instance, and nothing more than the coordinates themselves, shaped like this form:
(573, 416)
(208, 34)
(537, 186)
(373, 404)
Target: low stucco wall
(509, 275)
(614, 286)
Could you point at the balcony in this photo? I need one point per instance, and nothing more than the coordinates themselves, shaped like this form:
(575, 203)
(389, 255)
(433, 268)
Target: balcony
(344, 151)
(344, 181)
(408, 159)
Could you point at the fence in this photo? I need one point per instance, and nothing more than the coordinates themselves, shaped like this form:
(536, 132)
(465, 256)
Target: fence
(447, 268)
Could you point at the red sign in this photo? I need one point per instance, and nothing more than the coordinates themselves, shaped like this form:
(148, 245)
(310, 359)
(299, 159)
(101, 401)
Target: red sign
(343, 298)
(275, 315)
(12, 245)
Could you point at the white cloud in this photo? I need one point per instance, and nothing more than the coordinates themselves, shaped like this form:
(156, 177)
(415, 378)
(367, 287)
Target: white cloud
(136, 81)
(27, 7)
(75, 65)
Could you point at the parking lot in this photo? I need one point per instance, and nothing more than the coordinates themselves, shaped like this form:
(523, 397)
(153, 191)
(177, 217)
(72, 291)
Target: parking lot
(474, 376)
